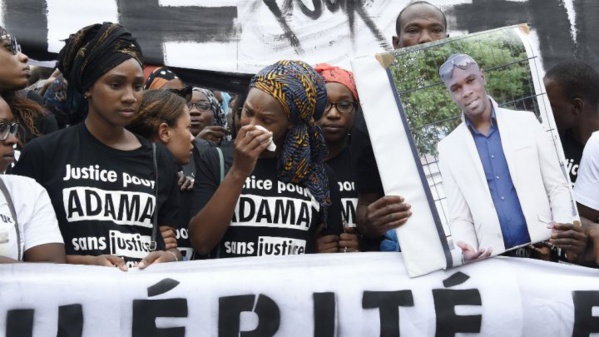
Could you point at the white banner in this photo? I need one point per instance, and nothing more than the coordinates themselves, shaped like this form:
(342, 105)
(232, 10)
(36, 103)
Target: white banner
(237, 36)
(366, 294)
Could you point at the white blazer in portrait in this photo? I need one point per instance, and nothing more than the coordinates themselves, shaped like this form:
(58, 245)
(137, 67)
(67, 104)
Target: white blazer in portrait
(532, 159)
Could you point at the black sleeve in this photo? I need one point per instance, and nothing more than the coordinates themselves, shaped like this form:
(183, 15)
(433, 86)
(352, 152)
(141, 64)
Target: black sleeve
(206, 181)
(46, 125)
(168, 189)
(202, 145)
(31, 162)
(366, 171)
(35, 96)
(228, 148)
(334, 220)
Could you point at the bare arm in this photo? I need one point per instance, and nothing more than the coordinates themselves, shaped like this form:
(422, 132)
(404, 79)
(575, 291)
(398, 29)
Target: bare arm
(591, 229)
(49, 252)
(209, 225)
(4, 259)
(101, 260)
(590, 215)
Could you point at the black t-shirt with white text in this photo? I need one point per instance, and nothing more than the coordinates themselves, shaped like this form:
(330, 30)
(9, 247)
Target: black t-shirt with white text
(341, 165)
(271, 217)
(104, 198)
(366, 170)
(573, 153)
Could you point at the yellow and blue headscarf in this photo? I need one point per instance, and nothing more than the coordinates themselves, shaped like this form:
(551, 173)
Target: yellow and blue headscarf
(302, 93)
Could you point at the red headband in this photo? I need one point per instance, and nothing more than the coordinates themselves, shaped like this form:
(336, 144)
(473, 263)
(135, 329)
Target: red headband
(338, 75)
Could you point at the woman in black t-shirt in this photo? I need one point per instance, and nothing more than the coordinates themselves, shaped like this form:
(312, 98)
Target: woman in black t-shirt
(110, 188)
(271, 201)
(164, 117)
(336, 124)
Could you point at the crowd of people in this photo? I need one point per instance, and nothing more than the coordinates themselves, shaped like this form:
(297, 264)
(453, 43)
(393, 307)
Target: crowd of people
(112, 162)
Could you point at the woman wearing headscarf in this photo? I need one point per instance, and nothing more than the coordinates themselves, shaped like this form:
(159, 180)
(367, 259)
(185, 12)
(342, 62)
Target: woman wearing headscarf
(14, 73)
(209, 126)
(109, 192)
(162, 78)
(336, 123)
(208, 119)
(271, 201)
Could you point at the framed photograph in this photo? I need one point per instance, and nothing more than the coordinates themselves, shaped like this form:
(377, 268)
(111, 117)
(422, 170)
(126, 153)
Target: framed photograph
(491, 191)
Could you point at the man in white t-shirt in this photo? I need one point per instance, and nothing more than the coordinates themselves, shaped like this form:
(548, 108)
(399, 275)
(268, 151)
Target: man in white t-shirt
(586, 193)
(586, 190)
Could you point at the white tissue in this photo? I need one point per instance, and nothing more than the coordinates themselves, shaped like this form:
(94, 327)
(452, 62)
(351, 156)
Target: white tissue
(271, 147)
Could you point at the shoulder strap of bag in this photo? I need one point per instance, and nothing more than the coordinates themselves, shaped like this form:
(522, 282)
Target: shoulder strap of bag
(221, 162)
(11, 206)
(221, 166)
(153, 244)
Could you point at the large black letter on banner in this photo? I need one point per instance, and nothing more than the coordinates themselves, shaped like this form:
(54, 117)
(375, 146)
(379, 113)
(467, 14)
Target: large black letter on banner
(70, 320)
(448, 323)
(173, 23)
(229, 320)
(584, 321)
(19, 323)
(145, 312)
(388, 303)
(325, 317)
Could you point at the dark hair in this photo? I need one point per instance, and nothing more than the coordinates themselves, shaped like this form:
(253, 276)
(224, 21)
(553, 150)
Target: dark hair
(236, 107)
(577, 79)
(26, 112)
(420, 2)
(237, 103)
(157, 107)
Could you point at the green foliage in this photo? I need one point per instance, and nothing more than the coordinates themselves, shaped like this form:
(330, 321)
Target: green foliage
(430, 112)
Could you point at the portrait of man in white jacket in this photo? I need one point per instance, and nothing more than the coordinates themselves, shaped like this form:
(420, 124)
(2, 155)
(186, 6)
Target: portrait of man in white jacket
(501, 173)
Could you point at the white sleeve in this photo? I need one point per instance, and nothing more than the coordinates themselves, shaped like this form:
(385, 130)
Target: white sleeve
(38, 219)
(554, 180)
(586, 188)
(461, 223)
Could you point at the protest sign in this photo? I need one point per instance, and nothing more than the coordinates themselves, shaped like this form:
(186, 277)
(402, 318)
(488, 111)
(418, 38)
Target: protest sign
(409, 111)
(368, 294)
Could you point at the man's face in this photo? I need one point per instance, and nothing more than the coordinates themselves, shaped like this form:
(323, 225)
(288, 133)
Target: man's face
(419, 24)
(563, 110)
(467, 89)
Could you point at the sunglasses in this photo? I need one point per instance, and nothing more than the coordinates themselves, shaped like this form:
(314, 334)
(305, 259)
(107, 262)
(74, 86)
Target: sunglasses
(461, 61)
(8, 129)
(202, 106)
(13, 45)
